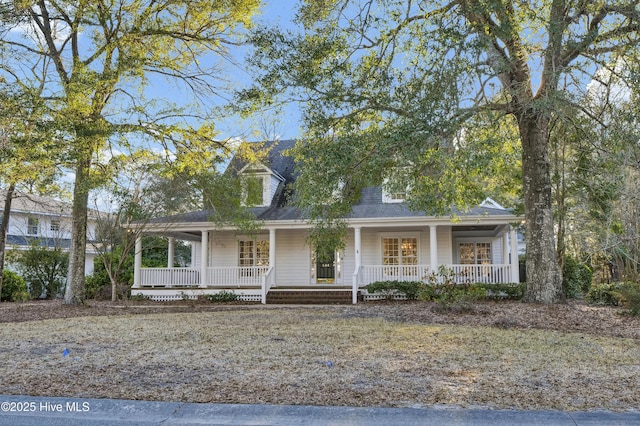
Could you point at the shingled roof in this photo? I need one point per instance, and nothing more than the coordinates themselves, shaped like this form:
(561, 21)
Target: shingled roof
(369, 206)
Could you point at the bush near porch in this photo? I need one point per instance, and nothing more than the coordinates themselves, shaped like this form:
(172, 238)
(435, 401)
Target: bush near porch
(446, 292)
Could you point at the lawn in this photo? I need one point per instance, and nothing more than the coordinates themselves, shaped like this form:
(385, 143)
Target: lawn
(365, 355)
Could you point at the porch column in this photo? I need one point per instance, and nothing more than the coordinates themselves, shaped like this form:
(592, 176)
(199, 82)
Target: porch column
(505, 245)
(272, 253)
(171, 252)
(193, 254)
(357, 236)
(357, 241)
(137, 262)
(433, 248)
(204, 258)
(515, 270)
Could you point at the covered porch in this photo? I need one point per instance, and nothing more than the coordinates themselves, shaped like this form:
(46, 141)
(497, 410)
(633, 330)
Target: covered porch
(279, 257)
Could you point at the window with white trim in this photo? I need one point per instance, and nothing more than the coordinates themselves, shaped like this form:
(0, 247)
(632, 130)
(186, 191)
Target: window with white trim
(396, 189)
(55, 225)
(252, 253)
(400, 256)
(475, 253)
(32, 226)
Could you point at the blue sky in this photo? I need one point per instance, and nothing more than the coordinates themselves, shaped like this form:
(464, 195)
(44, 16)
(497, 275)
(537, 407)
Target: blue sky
(287, 125)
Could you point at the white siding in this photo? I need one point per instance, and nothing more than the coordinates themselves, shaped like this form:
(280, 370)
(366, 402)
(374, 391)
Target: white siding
(196, 254)
(496, 251)
(371, 252)
(445, 254)
(223, 249)
(293, 258)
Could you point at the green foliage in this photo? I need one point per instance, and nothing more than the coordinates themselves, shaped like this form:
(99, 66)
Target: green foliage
(44, 269)
(14, 288)
(443, 288)
(576, 277)
(95, 284)
(605, 294)
(100, 64)
(326, 238)
(410, 289)
(625, 294)
(222, 297)
(512, 291)
(140, 297)
(631, 298)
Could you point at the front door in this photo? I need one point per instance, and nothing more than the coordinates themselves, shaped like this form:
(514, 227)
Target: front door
(326, 271)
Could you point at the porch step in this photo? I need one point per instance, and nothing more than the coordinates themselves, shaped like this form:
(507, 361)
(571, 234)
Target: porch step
(308, 297)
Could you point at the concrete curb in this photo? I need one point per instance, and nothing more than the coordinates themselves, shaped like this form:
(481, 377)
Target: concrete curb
(54, 411)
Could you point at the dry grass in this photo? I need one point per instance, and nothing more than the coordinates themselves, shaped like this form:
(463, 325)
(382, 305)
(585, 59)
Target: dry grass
(281, 356)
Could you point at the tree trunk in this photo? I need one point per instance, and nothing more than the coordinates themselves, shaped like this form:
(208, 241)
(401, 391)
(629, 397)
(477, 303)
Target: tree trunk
(4, 227)
(544, 282)
(75, 290)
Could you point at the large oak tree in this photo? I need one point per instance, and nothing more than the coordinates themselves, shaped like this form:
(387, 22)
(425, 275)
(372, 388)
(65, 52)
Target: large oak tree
(97, 62)
(393, 87)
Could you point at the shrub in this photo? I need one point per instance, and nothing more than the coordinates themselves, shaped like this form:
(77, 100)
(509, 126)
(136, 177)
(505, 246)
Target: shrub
(410, 289)
(512, 291)
(44, 269)
(94, 285)
(443, 287)
(605, 294)
(576, 277)
(222, 297)
(631, 298)
(625, 294)
(14, 287)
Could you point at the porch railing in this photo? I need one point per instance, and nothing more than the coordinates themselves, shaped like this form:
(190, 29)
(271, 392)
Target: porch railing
(243, 276)
(169, 277)
(268, 280)
(372, 273)
(355, 284)
(215, 277)
(462, 274)
(489, 274)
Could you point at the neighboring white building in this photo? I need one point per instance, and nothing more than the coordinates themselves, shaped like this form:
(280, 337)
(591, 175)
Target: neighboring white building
(386, 241)
(46, 220)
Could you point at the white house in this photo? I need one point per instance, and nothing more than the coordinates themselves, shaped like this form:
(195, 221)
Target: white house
(386, 241)
(43, 219)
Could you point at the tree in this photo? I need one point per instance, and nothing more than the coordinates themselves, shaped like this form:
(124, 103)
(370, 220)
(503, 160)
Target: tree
(43, 268)
(395, 83)
(136, 198)
(26, 144)
(97, 62)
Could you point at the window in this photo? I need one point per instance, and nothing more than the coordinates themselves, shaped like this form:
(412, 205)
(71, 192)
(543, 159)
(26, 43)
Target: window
(55, 225)
(475, 253)
(32, 226)
(395, 190)
(252, 253)
(253, 190)
(399, 256)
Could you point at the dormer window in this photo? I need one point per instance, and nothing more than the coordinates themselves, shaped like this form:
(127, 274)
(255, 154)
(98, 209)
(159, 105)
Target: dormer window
(254, 191)
(259, 185)
(393, 195)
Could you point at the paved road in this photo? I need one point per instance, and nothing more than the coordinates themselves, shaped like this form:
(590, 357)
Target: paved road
(28, 411)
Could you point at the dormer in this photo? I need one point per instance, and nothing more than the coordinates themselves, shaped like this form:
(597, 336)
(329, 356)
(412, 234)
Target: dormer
(259, 184)
(393, 194)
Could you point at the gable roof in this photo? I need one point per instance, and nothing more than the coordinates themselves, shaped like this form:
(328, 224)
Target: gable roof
(23, 202)
(31, 203)
(370, 206)
(275, 160)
